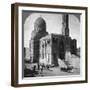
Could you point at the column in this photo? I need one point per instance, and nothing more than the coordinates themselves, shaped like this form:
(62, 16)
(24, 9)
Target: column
(44, 49)
(40, 49)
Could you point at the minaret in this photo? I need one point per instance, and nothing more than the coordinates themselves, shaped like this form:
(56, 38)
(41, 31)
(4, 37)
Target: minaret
(65, 24)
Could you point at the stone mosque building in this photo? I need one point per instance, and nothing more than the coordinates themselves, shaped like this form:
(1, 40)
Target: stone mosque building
(48, 48)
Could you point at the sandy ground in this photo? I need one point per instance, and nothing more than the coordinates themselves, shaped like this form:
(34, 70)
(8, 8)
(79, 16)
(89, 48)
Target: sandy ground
(56, 71)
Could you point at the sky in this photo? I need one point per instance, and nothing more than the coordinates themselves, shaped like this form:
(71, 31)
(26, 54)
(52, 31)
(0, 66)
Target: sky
(53, 25)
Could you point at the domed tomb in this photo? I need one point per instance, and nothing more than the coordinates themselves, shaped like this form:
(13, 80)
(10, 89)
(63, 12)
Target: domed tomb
(39, 29)
(38, 32)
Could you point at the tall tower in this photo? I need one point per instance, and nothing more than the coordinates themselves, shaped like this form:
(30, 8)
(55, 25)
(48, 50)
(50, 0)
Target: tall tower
(65, 24)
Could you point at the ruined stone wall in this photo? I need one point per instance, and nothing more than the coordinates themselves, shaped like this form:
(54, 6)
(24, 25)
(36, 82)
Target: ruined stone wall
(74, 46)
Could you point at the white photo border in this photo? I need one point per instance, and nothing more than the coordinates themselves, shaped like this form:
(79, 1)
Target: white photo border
(34, 80)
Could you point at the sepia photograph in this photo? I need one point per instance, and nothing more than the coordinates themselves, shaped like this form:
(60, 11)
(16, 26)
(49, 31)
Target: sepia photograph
(49, 44)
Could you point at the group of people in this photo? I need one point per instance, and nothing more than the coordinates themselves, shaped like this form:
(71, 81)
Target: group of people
(42, 67)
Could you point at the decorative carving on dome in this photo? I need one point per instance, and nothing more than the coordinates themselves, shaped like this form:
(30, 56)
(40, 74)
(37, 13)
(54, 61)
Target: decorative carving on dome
(39, 28)
(40, 25)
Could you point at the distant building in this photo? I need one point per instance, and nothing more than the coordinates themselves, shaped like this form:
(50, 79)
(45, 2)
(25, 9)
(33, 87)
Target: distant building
(47, 48)
(26, 54)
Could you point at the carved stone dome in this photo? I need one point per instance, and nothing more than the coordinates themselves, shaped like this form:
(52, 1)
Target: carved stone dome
(40, 25)
(39, 29)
